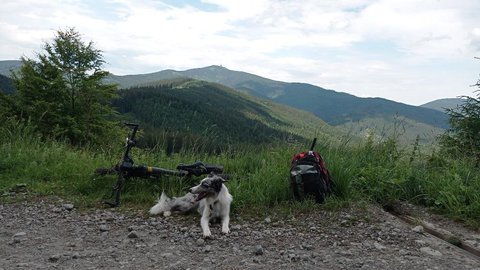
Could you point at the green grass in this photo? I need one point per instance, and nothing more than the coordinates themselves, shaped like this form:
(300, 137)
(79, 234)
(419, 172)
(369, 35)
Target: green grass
(48, 168)
(366, 171)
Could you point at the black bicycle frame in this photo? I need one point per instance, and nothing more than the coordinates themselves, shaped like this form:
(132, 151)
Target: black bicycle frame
(126, 168)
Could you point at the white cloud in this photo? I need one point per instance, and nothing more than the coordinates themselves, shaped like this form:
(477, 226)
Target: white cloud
(421, 28)
(329, 43)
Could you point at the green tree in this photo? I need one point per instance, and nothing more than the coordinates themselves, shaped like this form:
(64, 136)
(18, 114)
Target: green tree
(6, 106)
(62, 92)
(463, 137)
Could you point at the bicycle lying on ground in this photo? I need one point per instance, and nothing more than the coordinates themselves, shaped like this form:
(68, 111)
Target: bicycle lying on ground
(126, 168)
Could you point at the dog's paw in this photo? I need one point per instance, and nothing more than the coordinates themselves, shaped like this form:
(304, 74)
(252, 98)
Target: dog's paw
(226, 231)
(167, 213)
(207, 234)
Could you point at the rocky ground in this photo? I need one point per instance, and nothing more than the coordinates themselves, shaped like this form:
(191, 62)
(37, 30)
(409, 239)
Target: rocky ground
(53, 234)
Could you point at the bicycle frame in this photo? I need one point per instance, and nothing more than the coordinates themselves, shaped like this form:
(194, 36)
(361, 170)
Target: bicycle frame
(126, 168)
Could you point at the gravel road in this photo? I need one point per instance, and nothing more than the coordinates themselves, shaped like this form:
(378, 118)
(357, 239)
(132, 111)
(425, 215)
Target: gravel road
(53, 234)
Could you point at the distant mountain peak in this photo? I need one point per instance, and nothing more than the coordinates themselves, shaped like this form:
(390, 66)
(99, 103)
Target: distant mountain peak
(217, 67)
(444, 104)
(7, 66)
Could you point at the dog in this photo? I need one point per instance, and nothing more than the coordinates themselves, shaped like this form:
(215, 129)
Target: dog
(211, 199)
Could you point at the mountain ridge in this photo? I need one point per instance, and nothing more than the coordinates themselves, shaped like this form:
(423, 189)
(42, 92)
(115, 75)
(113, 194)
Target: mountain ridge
(6, 67)
(444, 104)
(192, 112)
(334, 107)
(125, 81)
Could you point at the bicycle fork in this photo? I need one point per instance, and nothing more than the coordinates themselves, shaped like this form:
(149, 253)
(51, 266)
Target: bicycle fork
(116, 190)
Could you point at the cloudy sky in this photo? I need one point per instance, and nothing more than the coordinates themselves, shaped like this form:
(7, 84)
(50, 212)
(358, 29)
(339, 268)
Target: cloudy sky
(412, 51)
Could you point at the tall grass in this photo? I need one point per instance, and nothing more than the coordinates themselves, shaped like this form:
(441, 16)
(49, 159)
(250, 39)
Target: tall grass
(386, 172)
(47, 167)
(379, 171)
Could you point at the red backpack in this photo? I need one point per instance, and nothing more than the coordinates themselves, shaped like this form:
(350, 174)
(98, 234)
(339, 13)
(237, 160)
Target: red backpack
(309, 176)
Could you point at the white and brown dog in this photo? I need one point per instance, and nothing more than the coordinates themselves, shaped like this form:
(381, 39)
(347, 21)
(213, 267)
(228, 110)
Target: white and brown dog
(211, 198)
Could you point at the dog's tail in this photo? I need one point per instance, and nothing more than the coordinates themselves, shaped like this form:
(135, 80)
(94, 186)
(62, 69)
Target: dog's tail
(161, 205)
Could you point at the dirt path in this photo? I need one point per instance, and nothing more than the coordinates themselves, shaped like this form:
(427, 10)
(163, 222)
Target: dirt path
(52, 235)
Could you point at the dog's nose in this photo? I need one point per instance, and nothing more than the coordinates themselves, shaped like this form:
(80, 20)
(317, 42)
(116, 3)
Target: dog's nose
(190, 190)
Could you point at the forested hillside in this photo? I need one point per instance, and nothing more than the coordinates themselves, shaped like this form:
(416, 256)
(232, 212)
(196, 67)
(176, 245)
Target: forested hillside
(211, 115)
(334, 107)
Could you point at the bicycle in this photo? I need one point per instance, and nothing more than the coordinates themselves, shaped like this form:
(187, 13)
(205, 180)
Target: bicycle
(126, 168)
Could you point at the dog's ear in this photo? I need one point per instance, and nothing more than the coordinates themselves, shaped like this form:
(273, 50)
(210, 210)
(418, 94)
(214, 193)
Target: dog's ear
(216, 184)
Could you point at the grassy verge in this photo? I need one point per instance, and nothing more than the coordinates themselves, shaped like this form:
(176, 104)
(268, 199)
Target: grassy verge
(367, 171)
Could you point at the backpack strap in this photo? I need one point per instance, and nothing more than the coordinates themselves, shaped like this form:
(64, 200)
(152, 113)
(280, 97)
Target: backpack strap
(300, 185)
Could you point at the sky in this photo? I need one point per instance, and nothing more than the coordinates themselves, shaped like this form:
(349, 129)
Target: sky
(404, 50)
